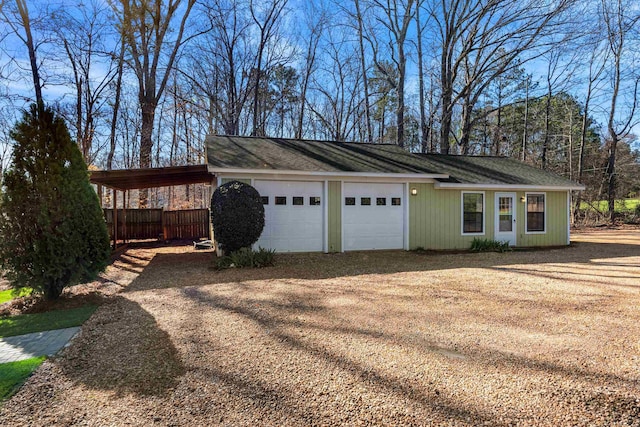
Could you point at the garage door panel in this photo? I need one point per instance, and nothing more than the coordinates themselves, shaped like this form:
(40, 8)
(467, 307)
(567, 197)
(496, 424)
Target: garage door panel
(373, 226)
(289, 227)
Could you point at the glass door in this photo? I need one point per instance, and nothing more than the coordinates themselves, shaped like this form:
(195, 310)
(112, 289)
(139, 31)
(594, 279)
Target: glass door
(505, 226)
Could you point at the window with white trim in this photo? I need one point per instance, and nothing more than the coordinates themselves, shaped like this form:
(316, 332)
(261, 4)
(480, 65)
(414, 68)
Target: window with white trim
(536, 213)
(472, 213)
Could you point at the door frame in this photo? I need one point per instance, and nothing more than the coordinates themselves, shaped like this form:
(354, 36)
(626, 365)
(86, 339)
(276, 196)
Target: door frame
(514, 231)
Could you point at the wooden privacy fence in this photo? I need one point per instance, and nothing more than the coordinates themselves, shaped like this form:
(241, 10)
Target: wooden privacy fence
(187, 224)
(159, 224)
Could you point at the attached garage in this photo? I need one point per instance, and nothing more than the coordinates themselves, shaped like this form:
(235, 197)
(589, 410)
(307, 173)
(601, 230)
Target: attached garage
(373, 216)
(342, 196)
(294, 215)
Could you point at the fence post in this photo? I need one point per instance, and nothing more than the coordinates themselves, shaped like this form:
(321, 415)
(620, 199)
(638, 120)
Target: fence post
(164, 225)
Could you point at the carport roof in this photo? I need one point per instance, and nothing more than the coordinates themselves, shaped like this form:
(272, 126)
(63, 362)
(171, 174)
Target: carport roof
(259, 154)
(130, 179)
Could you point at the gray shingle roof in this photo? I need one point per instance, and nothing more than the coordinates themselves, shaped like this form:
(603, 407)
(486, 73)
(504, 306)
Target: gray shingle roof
(237, 152)
(276, 154)
(492, 170)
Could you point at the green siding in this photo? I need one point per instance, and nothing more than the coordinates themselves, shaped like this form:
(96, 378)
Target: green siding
(243, 180)
(557, 217)
(335, 219)
(435, 219)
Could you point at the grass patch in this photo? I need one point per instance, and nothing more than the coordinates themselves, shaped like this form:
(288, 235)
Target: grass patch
(621, 206)
(57, 319)
(14, 374)
(8, 295)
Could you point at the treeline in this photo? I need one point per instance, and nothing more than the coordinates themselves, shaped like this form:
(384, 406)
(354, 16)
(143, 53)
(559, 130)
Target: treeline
(141, 82)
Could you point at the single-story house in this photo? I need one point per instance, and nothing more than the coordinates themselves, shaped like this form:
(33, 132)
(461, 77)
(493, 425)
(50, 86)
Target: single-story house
(339, 196)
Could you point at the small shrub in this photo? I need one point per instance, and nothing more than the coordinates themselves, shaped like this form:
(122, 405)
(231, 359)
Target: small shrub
(489, 245)
(247, 258)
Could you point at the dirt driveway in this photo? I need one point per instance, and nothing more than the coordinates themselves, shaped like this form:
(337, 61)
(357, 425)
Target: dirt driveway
(387, 338)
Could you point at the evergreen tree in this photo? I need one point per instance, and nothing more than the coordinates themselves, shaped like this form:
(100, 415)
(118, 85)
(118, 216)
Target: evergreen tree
(52, 230)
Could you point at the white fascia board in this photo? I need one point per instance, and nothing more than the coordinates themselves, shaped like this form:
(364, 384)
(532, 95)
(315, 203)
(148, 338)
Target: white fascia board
(319, 174)
(509, 187)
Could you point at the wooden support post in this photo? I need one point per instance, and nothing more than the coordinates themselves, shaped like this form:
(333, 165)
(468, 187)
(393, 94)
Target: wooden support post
(164, 226)
(125, 197)
(115, 219)
(100, 194)
(212, 236)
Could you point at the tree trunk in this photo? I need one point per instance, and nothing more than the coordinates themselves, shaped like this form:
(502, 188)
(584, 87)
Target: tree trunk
(423, 119)
(365, 79)
(445, 121)
(547, 130)
(400, 94)
(256, 95)
(146, 145)
(35, 74)
(116, 107)
(466, 127)
(525, 136)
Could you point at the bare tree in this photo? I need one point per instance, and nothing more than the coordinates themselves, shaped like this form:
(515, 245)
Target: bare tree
(363, 64)
(83, 35)
(116, 104)
(16, 16)
(219, 65)
(620, 18)
(424, 129)
(338, 86)
(316, 23)
(266, 16)
(479, 40)
(597, 59)
(558, 75)
(397, 16)
(146, 26)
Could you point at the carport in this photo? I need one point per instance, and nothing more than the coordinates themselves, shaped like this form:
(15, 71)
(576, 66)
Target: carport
(123, 180)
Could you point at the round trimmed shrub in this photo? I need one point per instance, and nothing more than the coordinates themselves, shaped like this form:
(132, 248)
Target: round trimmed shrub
(237, 215)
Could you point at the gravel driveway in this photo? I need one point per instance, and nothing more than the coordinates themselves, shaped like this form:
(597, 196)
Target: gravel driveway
(540, 338)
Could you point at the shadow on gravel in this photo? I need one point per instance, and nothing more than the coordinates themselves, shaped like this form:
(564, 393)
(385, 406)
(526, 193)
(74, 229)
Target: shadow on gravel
(122, 349)
(280, 321)
(195, 268)
(262, 394)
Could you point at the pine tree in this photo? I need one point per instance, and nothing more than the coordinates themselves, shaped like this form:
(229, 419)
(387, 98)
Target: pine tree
(52, 230)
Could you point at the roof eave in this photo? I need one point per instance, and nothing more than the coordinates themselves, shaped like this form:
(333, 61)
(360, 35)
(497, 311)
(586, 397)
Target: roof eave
(468, 186)
(217, 170)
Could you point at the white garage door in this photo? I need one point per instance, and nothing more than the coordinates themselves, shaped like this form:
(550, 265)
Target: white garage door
(373, 216)
(293, 215)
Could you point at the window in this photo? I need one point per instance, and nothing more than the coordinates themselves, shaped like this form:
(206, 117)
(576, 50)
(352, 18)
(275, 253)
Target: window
(349, 201)
(381, 201)
(265, 200)
(472, 213)
(314, 201)
(535, 213)
(395, 201)
(281, 200)
(298, 201)
(365, 201)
